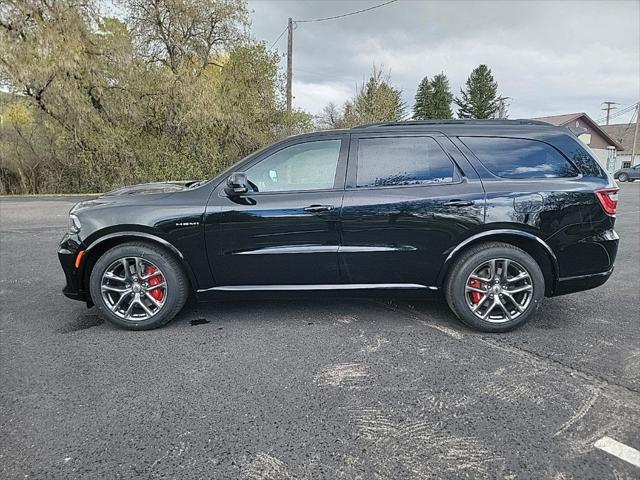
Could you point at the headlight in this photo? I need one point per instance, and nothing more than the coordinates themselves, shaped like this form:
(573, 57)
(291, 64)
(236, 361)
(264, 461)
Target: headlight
(74, 224)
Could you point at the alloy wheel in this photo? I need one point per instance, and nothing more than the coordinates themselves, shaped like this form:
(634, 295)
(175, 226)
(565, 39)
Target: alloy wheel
(133, 288)
(499, 290)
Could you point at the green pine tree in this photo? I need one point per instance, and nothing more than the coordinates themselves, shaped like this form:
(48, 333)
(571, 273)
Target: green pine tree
(441, 98)
(480, 97)
(422, 107)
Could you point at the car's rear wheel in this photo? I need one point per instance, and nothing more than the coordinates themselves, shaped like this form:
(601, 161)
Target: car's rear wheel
(494, 287)
(623, 177)
(138, 286)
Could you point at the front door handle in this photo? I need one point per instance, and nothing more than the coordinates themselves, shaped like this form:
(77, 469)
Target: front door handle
(458, 203)
(318, 208)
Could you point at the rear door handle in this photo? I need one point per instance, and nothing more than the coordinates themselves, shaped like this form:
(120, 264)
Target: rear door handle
(458, 203)
(319, 208)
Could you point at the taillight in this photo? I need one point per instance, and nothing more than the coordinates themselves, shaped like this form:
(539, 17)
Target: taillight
(608, 199)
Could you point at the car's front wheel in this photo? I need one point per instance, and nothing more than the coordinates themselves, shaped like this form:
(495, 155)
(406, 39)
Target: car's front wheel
(623, 177)
(138, 286)
(494, 287)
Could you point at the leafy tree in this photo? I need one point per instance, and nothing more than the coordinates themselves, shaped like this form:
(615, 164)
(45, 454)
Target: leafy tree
(480, 97)
(375, 101)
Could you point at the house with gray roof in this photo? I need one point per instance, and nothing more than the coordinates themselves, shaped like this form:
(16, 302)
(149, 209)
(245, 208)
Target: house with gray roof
(604, 145)
(623, 134)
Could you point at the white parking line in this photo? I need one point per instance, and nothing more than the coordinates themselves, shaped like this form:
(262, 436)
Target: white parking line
(619, 450)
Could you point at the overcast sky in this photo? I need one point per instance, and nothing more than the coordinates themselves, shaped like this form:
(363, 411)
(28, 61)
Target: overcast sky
(550, 57)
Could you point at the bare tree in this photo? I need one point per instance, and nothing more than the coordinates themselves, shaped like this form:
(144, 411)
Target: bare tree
(175, 31)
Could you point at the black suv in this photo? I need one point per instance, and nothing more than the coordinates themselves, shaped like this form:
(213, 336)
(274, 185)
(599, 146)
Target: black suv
(496, 214)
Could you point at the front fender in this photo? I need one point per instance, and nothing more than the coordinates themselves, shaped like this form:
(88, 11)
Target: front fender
(101, 243)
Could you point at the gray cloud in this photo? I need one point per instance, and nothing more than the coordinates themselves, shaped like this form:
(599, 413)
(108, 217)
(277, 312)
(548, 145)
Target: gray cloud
(550, 57)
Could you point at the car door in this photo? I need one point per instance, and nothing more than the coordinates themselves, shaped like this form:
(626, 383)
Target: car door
(634, 172)
(408, 200)
(285, 231)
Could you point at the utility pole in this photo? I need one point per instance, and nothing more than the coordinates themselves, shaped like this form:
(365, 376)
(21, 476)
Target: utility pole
(289, 63)
(635, 135)
(608, 108)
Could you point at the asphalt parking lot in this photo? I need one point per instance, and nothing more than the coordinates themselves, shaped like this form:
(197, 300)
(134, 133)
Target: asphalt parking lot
(317, 387)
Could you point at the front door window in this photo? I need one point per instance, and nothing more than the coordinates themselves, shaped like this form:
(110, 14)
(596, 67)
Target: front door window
(305, 166)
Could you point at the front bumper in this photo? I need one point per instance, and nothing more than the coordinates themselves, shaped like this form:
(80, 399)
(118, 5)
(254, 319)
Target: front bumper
(73, 288)
(70, 245)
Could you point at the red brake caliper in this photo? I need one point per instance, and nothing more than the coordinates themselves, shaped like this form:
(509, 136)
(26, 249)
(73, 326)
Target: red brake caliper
(157, 293)
(475, 296)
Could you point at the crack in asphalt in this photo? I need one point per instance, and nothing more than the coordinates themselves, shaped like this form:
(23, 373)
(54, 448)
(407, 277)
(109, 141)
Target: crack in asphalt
(570, 370)
(531, 356)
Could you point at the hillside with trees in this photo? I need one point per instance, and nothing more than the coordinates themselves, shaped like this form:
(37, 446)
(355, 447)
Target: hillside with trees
(175, 90)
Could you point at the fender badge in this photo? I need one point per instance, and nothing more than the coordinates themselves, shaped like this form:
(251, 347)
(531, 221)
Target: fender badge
(187, 224)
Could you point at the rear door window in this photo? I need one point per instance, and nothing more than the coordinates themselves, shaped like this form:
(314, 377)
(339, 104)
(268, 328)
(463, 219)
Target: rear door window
(389, 161)
(519, 157)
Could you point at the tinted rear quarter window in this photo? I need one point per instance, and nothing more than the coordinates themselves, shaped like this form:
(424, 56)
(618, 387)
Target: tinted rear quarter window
(519, 157)
(388, 161)
(579, 154)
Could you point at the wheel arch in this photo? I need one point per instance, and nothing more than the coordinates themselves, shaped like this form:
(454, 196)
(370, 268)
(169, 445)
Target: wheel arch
(107, 242)
(530, 243)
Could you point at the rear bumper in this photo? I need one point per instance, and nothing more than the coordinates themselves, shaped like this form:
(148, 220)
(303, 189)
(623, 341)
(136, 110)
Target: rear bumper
(581, 282)
(587, 263)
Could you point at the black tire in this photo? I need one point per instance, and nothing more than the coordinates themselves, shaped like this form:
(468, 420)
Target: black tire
(177, 284)
(468, 261)
(623, 177)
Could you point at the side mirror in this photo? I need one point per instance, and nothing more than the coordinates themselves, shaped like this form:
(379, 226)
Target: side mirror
(237, 184)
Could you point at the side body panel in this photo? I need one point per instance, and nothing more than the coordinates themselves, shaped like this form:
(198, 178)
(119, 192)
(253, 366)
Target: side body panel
(399, 234)
(275, 238)
(562, 212)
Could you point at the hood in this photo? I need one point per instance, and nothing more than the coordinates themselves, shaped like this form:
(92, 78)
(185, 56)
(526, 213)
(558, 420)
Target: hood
(124, 195)
(144, 188)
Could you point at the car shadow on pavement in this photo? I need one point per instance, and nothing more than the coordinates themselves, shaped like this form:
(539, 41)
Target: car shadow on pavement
(82, 322)
(319, 308)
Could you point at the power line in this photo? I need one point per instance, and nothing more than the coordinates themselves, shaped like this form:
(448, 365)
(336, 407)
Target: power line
(279, 37)
(632, 120)
(623, 111)
(345, 14)
(290, 25)
(613, 117)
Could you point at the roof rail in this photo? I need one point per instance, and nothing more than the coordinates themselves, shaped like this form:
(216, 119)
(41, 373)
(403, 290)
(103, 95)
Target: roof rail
(450, 122)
